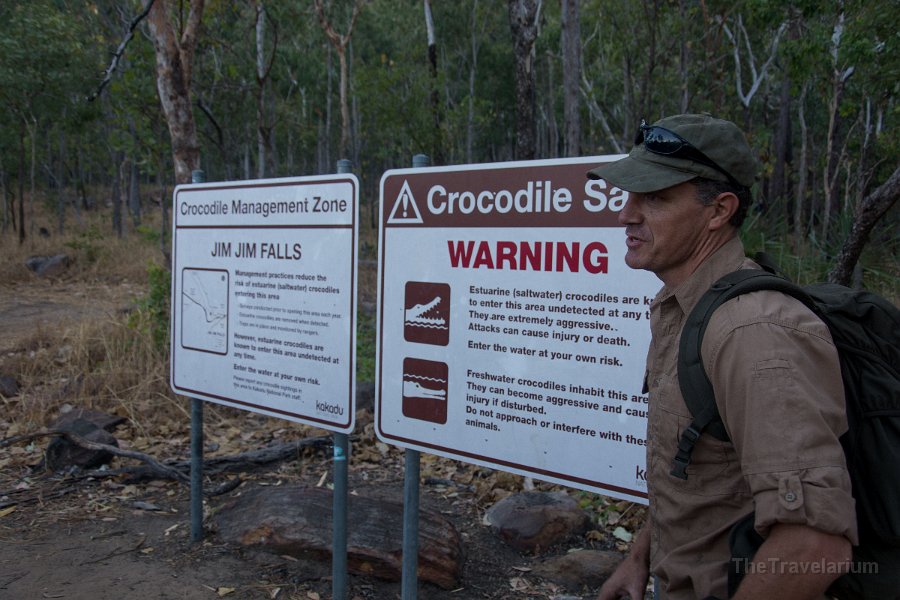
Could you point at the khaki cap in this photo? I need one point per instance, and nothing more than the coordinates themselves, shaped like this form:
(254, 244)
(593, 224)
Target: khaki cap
(721, 141)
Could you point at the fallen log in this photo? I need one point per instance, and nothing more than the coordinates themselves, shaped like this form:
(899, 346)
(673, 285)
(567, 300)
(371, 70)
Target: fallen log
(296, 520)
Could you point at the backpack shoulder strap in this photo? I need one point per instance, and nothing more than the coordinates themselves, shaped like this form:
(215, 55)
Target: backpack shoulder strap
(692, 378)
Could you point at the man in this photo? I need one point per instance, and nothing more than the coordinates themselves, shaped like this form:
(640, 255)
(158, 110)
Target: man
(776, 378)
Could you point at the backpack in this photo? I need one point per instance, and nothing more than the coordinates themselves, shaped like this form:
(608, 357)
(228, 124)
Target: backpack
(866, 332)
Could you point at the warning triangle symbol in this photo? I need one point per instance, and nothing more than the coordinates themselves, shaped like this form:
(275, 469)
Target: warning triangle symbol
(405, 209)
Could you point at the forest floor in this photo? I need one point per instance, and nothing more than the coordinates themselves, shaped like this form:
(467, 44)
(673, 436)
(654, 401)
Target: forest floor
(62, 536)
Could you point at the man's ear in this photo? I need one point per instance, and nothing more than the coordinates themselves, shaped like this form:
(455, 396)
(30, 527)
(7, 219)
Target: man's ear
(725, 205)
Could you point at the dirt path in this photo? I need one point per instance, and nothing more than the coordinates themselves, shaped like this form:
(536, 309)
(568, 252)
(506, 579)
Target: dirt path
(26, 308)
(97, 540)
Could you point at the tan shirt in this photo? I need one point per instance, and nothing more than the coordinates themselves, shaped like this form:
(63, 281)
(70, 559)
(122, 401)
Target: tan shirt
(778, 387)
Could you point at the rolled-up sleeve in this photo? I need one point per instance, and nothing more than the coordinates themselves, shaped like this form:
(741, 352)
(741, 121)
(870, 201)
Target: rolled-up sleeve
(777, 382)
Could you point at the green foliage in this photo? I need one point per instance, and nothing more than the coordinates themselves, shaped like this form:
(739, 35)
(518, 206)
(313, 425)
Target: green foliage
(148, 233)
(152, 314)
(365, 348)
(88, 244)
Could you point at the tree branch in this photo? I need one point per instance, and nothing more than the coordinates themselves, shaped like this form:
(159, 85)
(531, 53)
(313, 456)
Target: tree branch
(872, 209)
(117, 55)
(78, 440)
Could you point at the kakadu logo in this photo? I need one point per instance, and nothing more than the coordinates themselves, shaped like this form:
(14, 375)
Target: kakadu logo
(405, 209)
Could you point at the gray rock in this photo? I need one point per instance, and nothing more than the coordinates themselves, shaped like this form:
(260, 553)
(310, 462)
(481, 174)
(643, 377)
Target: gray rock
(9, 388)
(48, 266)
(62, 453)
(530, 521)
(365, 395)
(582, 568)
(100, 419)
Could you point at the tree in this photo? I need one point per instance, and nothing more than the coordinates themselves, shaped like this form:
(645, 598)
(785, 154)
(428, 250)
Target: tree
(174, 70)
(437, 152)
(339, 42)
(523, 23)
(571, 51)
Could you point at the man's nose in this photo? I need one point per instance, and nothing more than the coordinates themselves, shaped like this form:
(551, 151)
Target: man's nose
(630, 213)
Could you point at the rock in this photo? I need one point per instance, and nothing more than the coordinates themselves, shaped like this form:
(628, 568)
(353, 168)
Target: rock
(365, 395)
(62, 453)
(532, 520)
(48, 266)
(580, 568)
(296, 521)
(100, 419)
(9, 388)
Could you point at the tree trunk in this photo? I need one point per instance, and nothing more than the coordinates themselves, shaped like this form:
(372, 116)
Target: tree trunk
(22, 183)
(684, 57)
(261, 90)
(523, 22)
(871, 210)
(833, 147)
(470, 118)
(778, 185)
(571, 51)
(134, 194)
(116, 195)
(339, 42)
(31, 192)
(7, 210)
(800, 196)
(437, 145)
(164, 214)
(174, 64)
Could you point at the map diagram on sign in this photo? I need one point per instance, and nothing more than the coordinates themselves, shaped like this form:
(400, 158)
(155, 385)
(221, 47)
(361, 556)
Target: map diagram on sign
(426, 316)
(204, 310)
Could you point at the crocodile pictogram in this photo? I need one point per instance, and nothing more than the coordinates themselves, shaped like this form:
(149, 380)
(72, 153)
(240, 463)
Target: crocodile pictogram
(415, 315)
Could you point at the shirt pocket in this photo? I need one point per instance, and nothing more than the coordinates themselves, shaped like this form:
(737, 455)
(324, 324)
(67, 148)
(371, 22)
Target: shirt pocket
(714, 470)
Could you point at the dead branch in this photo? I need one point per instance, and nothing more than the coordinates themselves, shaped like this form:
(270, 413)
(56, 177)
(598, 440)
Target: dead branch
(221, 464)
(117, 55)
(152, 463)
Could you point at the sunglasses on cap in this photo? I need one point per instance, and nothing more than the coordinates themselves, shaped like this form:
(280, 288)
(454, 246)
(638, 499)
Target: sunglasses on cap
(660, 140)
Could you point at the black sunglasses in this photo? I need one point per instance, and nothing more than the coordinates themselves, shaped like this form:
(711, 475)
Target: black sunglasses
(660, 140)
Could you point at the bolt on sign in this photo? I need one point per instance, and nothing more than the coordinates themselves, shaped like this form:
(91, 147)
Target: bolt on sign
(511, 333)
(264, 296)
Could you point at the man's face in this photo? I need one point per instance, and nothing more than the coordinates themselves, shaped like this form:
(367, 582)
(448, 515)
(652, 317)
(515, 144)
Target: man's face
(667, 232)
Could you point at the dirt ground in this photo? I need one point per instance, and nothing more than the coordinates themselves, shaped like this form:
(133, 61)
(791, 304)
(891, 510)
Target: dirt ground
(62, 536)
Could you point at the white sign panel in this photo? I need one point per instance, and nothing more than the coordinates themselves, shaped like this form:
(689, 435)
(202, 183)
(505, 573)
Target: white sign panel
(511, 332)
(264, 296)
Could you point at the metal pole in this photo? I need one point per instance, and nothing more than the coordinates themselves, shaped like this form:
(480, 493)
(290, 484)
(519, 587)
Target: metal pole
(197, 176)
(410, 580)
(339, 497)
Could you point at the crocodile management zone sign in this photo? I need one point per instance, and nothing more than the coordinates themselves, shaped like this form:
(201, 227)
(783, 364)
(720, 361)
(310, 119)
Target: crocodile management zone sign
(264, 296)
(510, 331)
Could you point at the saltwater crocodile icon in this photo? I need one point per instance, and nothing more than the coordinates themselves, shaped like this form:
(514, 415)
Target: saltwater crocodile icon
(415, 315)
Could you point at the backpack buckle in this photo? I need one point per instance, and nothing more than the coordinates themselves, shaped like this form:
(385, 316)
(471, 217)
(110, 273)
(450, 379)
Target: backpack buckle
(682, 458)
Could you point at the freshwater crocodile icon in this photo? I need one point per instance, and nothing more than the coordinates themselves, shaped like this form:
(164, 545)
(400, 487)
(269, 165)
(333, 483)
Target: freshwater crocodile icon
(415, 315)
(412, 389)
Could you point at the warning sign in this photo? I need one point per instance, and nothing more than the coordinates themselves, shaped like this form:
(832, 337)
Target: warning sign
(264, 296)
(405, 208)
(511, 332)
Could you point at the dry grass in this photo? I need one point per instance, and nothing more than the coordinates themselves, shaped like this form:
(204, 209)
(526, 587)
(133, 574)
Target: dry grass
(96, 349)
(96, 253)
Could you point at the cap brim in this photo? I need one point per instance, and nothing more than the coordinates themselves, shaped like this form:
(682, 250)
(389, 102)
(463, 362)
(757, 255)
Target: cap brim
(635, 175)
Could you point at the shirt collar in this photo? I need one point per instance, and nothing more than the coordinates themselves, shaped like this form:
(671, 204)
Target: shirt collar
(729, 257)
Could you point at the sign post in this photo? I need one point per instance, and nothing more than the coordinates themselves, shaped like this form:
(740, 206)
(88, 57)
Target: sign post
(264, 307)
(511, 332)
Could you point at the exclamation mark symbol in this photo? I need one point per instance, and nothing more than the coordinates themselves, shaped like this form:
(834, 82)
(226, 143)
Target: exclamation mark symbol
(405, 200)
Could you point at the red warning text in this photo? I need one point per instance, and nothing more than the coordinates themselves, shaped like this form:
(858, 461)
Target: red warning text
(529, 256)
